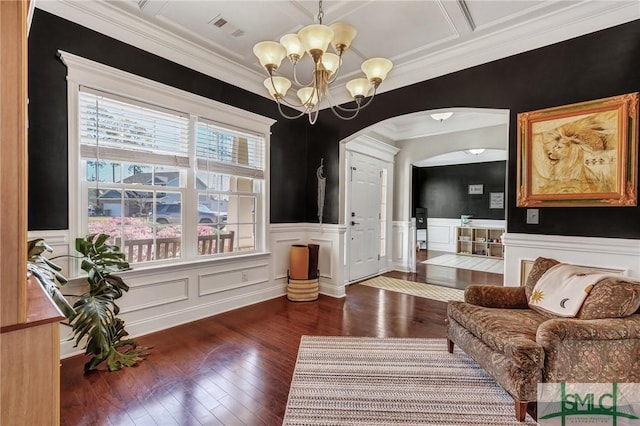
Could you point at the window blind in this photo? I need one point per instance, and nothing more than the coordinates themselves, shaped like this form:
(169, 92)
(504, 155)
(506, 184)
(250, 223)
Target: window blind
(119, 129)
(229, 151)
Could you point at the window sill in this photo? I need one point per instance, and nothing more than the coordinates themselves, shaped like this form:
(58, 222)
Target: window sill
(190, 264)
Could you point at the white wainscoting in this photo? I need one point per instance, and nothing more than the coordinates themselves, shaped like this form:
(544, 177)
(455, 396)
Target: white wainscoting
(441, 232)
(612, 253)
(404, 245)
(441, 236)
(331, 257)
(170, 295)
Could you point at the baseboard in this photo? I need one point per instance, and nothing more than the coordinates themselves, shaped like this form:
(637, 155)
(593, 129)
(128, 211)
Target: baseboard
(179, 317)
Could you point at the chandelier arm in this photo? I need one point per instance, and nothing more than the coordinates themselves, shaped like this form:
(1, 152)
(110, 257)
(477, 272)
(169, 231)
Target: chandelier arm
(291, 104)
(341, 117)
(291, 117)
(295, 78)
(313, 115)
(358, 108)
(335, 74)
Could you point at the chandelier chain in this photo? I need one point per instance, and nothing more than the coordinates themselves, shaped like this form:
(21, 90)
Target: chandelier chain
(320, 12)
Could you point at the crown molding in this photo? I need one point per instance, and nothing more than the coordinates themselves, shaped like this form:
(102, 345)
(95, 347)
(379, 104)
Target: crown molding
(123, 26)
(574, 21)
(578, 20)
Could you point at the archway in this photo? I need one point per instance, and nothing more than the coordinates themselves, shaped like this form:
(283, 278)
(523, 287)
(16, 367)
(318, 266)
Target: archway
(414, 139)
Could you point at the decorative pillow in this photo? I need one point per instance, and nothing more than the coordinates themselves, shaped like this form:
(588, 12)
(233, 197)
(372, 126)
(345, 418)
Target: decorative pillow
(612, 297)
(541, 265)
(562, 290)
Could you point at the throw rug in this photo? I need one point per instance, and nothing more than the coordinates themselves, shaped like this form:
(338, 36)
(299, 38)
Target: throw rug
(481, 264)
(392, 381)
(428, 291)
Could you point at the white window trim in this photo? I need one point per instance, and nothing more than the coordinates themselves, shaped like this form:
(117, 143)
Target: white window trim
(84, 72)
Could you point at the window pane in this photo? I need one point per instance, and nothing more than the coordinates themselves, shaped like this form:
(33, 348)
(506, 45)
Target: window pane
(213, 181)
(241, 220)
(135, 224)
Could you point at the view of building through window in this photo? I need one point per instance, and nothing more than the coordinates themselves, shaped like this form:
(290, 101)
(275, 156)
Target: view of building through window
(156, 200)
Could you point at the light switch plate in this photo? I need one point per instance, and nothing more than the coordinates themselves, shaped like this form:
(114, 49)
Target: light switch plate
(533, 216)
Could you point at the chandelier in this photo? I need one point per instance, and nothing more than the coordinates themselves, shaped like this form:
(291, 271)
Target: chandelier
(315, 39)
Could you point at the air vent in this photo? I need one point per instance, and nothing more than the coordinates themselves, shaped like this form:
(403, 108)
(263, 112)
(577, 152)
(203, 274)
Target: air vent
(151, 7)
(222, 23)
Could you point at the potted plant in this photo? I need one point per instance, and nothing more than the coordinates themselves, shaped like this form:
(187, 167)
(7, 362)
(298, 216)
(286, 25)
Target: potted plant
(93, 316)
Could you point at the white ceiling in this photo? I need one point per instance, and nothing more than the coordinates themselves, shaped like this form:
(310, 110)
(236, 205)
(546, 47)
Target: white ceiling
(423, 38)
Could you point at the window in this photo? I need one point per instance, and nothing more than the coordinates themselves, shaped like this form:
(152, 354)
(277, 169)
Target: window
(166, 182)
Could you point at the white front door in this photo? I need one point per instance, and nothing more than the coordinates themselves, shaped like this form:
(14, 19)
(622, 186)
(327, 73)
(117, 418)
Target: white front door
(364, 215)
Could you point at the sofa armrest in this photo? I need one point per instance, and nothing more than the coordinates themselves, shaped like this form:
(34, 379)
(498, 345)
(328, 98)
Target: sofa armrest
(554, 330)
(491, 296)
(591, 351)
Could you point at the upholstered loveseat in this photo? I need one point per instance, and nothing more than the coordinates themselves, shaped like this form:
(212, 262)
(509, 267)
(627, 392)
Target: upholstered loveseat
(521, 346)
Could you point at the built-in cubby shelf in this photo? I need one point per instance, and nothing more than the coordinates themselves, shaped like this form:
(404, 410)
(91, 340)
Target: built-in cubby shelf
(474, 241)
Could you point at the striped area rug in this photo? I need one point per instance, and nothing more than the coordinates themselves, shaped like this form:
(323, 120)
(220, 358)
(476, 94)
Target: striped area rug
(392, 381)
(428, 291)
(482, 264)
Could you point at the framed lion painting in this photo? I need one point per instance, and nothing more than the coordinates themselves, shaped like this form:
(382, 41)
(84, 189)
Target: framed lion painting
(579, 155)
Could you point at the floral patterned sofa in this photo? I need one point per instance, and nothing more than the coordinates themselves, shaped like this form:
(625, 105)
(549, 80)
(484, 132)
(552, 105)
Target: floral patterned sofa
(521, 346)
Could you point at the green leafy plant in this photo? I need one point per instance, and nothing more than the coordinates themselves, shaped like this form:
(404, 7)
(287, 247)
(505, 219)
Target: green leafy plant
(48, 273)
(94, 315)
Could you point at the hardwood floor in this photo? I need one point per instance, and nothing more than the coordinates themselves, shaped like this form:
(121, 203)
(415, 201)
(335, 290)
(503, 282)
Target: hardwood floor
(235, 368)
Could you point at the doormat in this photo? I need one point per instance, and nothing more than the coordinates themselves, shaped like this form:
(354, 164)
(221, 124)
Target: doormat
(425, 290)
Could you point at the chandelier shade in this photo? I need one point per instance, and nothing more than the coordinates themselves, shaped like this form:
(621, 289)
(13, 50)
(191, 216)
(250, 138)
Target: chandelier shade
(308, 96)
(343, 35)
(376, 69)
(277, 86)
(293, 46)
(270, 53)
(359, 87)
(315, 39)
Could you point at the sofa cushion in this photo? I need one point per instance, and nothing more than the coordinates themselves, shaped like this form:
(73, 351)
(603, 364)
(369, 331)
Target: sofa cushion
(611, 297)
(511, 332)
(540, 266)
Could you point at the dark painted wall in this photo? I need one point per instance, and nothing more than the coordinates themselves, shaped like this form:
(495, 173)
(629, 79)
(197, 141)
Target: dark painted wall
(594, 66)
(48, 153)
(598, 65)
(443, 190)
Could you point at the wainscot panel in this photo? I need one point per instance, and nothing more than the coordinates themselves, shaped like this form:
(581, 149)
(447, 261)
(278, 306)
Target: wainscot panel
(154, 293)
(330, 237)
(232, 279)
(610, 253)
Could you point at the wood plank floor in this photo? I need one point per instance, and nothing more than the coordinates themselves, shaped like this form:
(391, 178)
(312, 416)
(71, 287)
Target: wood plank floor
(235, 368)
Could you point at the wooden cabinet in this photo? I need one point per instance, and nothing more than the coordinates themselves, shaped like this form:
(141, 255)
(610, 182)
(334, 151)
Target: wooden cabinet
(29, 322)
(479, 241)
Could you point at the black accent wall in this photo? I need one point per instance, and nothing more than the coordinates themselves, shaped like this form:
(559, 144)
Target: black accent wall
(594, 66)
(443, 190)
(597, 65)
(48, 138)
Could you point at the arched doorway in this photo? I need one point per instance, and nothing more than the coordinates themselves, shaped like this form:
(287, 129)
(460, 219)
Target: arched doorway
(411, 139)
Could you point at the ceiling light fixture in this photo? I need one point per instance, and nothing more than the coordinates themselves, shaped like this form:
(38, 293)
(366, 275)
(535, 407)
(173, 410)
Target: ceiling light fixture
(475, 151)
(441, 116)
(314, 39)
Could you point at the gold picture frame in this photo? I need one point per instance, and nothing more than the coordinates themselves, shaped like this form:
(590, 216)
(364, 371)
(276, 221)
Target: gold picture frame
(578, 155)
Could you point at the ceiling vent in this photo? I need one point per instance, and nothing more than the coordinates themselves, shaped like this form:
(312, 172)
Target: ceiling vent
(151, 7)
(220, 22)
